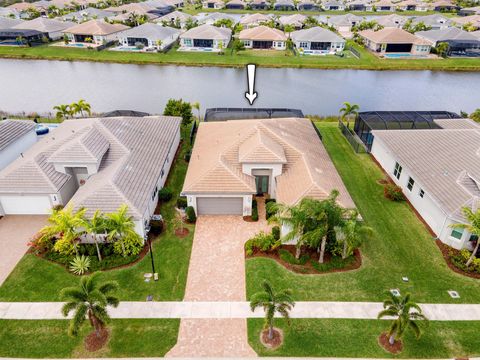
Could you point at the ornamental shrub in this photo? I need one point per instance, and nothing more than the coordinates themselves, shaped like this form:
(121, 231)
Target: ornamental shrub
(262, 242)
(276, 232)
(254, 210)
(182, 202)
(165, 194)
(393, 192)
(190, 213)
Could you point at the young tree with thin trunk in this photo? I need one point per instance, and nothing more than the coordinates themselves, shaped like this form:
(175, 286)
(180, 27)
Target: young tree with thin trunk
(473, 227)
(121, 228)
(348, 110)
(352, 234)
(96, 226)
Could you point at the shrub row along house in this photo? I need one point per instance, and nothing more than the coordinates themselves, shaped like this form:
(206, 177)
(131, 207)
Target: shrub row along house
(234, 160)
(96, 164)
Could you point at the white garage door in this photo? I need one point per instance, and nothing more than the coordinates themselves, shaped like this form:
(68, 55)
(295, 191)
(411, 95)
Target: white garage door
(220, 206)
(25, 205)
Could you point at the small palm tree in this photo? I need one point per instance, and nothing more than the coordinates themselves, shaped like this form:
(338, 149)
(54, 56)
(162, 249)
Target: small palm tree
(90, 299)
(272, 303)
(96, 226)
(352, 234)
(349, 110)
(63, 111)
(405, 314)
(473, 227)
(475, 115)
(196, 106)
(121, 226)
(80, 265)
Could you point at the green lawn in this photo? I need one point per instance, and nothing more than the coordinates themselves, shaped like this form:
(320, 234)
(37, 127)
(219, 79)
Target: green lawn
(35, 279)
(48, 338)
(401, 246)
(358, 338)
(275, 59)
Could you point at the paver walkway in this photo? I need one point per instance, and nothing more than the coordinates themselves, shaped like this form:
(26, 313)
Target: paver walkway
(217, 273)
(15, 232)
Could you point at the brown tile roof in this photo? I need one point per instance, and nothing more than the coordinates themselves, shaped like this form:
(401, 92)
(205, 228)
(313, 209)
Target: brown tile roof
(96, 27)
(261, 148)
(12, 130)
(262, 32)
(215, 166)
(392, 36)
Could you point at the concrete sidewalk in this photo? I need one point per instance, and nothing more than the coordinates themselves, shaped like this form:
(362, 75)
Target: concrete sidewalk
(237, 310)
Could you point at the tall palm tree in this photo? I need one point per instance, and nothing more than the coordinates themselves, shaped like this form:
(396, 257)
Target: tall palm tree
(121, 226)
(351, 234)
(272, 302)
(349, 110)
(473, 227)
(96, 225)
(475, 115)
(84, 106)
(196, 105)
(406, 315)
(90, 299)
(63, 111)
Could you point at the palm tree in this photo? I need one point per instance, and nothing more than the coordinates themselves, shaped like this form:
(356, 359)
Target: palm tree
(196, 105)
(348, 110)
(84, 106)
(473, 227)
(121, 226)
(351, 234)
(406, 313)
(63, 111)
(442, 49)
(66, 225)
(272, 303)
(90, 299)
(475, 116)
(96, 225)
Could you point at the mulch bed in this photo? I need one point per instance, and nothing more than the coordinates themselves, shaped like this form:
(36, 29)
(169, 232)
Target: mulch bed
(307, 268)
(248, 219)
(94, 343)
(181, 233)
(445, 249)
(273, 343)
(384, 181)
(396, 348)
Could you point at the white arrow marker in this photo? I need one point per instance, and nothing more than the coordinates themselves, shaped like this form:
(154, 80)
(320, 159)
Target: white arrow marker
(251, 95)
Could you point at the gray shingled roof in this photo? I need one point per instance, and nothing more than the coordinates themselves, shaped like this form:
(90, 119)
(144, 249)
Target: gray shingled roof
(316, 34)
(444, 161)
(7, 23)
(207, 32)
(44, 25)
(449, 34)
(151, 31)
(12, 130)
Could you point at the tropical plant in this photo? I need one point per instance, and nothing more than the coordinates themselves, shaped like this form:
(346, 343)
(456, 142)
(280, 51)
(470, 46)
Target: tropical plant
(442, 49)
(349, 110)
(178, 224)
(196, 106)
(272, 302)
(121, 229)
(226, 23)
(90, 299)
(406, 314)
(80, 264)
(351, 235)
(473, 227)
(310, 22)
(82, 106)
(179, 108)
(475, 116)
(63, 111)
(413, 28)
(96, 225)
(238, 45)
(190, 23)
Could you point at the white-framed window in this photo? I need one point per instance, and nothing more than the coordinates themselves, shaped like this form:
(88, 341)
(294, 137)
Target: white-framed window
(304, 44)
(410, 183)
(247, 43)
(457, 233)
(421, 193)
(397, 172)
(187, 42)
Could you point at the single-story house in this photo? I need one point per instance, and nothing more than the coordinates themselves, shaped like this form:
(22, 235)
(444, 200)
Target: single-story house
(295, 20)
(438, 171)
(162, 7)
(205, 37)
(54, 28)
(140, 8)
(16, 136)
(236, 5)
(412, 5)
(124, 17)
(317, 40)
(252, 20)
(283, 158)
(9, 12)
(212, 18)
(22, 8)
(359, 5)
(263, 37)
(21, 37)
(333, 5)
(8, 23)
(391, 21)
(94, 32)
(458, 40)
(344, 23)
(284, 5)
(469, 11)
(88, 14)
(307, 5)
(472, 20)
(444, 5)
(95, 163)
(393, 40)
(435, 21)
(175, 19)
(385, 5)
(213, 4)
(259, 5)
(149, 37)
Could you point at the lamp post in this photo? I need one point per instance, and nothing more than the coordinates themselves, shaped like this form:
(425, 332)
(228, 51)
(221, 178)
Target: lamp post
(149, 241)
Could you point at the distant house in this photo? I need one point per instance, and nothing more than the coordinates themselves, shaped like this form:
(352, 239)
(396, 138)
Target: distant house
(412, 5)
(263, 37)
(391, 21)
(235, 5)
(140, 8)
(469, 11)
(16, 136)
(393, 40)
(213, 4)
(7, 23)
(359, 5)
(437, 171)
(459, 41)
(317, 40)
(333, 6)
(472, 20)
(435, 21)
(344, 23)
(149, 36)
(444, 5)
(212, 18)
(307, 5)
(385, 5)
(22, 8)
(9, 13)
(174, 18)
(205, 38)
(53, 28)
(21, 37)
(94, 32)
(259, 5)
(296, 20)
(252, 20)
(87, 14)
(284, 5)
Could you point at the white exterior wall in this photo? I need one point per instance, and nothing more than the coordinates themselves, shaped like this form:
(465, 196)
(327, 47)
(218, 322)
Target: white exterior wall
(152, 43)
(334, 46)
(277, 45)
(247, 201)
(13, 150)
(66, 192)
(188, 43)
(427, 206)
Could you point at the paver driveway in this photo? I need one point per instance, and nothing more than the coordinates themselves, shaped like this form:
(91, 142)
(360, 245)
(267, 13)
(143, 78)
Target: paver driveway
(217, 273)
(15, 232)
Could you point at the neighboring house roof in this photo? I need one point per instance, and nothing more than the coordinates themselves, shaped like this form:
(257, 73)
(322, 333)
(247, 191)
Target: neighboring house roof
(44, 25)
(392, 36)
(174, 15)
(14, 33)
(333, 3)
(12, 130)
(392, 20)
(296, 20)
(316, 34)
(151, 31)
(254, 18)
(138, 8)
(207, 32)
(21, 6)
(449, 34)
(88, 13)
(216, 162)
(473, 10)
(384, 3)
(344, 20)
(214, 17)
(236, 2)
(125, 16)
(432, 20)
(129, 168)
(262, 32)
(280, 3)
(444, 161)
(472, 19)
(8, 11)
(96, 27)
(457, 124)
(7, 23)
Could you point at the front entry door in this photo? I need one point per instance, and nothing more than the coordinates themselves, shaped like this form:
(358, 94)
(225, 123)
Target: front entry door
(262, 184)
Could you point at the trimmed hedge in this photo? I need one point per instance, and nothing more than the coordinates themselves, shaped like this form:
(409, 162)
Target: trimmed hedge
(182, 202)
(165, 194)
(190, 213)
(254, 210)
